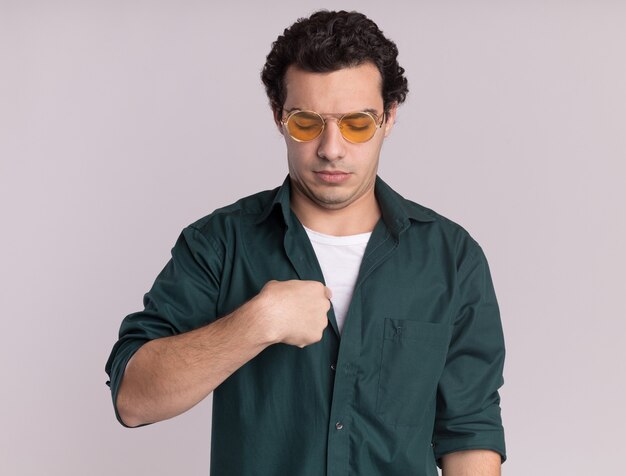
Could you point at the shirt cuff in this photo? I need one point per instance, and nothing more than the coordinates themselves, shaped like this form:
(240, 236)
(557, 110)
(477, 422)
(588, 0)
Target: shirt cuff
(492, 440)
(116, 368)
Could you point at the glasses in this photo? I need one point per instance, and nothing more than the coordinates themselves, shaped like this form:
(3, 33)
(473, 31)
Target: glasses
(356, 127)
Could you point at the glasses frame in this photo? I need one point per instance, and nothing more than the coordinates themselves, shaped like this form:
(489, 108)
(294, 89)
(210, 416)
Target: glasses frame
(372, 115)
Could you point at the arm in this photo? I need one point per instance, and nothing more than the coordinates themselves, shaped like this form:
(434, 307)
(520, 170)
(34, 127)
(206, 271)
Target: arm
(176, 351)
(468, 401)
(471, 463)
(168, 376)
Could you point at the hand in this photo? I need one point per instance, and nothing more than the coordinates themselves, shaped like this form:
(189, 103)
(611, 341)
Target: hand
(294, 312)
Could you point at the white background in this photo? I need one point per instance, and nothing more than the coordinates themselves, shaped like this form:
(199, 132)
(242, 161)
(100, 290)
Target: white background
(116, 131)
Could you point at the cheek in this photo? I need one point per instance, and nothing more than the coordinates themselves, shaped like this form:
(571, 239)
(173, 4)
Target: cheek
(373, 154)
(300, 153)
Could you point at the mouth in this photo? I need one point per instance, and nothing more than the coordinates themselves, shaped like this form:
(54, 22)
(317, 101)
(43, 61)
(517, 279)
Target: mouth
(332, 176)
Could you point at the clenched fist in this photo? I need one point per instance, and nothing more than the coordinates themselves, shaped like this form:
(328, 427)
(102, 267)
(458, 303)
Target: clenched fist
(294, 312)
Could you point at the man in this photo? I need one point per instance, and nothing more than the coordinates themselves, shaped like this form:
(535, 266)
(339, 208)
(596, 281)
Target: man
(406, 375)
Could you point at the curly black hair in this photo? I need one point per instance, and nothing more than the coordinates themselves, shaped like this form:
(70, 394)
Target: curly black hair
(328, 41)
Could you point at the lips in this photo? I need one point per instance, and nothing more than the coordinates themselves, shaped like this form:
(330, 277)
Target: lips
(332, 176)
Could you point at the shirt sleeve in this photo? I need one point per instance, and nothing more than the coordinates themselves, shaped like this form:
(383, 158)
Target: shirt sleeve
(468, 403)
(182, 298)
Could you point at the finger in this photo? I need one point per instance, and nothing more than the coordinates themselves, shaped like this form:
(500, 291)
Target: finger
(328, 292)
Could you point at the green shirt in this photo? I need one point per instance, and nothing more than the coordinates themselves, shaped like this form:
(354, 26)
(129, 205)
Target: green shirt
(414, 374)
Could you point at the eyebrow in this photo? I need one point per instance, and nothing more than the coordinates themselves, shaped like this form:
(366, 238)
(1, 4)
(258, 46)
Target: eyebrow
(369, 109)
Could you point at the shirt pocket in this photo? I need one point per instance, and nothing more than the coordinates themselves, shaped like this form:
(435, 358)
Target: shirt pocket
(413, 357)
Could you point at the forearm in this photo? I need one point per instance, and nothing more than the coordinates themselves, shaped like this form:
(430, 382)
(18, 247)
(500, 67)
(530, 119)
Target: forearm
(471, 463)
(168, 376)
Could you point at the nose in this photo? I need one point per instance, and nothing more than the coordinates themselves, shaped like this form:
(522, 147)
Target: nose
(332, 145)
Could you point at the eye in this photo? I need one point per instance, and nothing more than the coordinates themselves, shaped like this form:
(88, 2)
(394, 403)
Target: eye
(304, 121)
(357, 127)
(357, 122)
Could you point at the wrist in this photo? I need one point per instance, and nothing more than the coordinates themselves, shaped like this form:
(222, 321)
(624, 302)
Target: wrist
(252, 317)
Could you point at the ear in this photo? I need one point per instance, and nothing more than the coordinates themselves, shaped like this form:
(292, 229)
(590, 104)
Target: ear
(277, 121)
(390, 118)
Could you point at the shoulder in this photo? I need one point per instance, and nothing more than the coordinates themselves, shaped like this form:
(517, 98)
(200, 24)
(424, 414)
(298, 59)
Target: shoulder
(442, 233)
(444, 223)
(224, 221)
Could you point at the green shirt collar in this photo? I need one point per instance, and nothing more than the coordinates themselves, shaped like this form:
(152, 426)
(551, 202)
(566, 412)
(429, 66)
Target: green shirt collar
(396, 210)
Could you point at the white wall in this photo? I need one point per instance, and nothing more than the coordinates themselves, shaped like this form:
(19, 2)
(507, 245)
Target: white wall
(116, 132)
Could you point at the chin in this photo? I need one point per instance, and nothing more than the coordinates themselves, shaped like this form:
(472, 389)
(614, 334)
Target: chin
(333, 202)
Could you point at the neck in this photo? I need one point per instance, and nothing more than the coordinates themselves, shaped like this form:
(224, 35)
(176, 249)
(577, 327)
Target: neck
(360, 216)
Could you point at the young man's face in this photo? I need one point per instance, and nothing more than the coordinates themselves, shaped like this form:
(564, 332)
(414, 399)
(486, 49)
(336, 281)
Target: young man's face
(346, 90)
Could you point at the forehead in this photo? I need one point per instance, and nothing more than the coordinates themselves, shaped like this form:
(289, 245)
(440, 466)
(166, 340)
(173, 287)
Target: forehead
(347, 89)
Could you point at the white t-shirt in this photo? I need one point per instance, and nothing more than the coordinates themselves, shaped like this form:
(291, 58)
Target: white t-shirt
(340, 259)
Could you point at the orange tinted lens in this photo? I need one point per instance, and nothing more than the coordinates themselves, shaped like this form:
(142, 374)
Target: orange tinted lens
(304, 126)
(358, 127)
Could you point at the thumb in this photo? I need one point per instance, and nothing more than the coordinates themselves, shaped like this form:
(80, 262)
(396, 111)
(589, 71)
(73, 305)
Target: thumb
(328, 292)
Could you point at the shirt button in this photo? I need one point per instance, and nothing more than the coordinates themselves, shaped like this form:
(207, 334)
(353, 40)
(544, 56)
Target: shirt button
(339, 425)
(332, 366)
